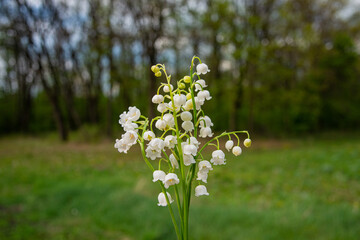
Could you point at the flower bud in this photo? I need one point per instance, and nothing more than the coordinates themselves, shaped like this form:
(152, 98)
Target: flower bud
(155, 68)
(247, 142)
(158, 74)
(188, 96)
(187, 79)
(181, 86)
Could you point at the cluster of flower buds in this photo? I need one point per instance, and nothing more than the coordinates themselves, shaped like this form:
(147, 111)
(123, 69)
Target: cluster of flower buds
(180, 122)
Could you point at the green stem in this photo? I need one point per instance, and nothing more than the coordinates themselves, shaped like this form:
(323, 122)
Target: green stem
(171, 212)
(184, 217)
(221, 135)
(163, 190)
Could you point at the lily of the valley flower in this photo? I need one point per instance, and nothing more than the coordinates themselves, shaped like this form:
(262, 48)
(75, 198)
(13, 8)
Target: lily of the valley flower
(200, 84)
(134, 114)
(202, 176)
(188, 105)
(159, 175)
(201, 190)
(127, 117)
(236, 150)
(162, 199)
(188, 159)
(189, 149)
(218, 158)
(171, 179)
(204, 95)
(202, 68)
(247, 142)
(205, 132)
(207, 121)
(170, 141)
(179, 100)
(162, 107)
(157, 99)
(194, 141)
(130, 137)
(154, 149)
(148, 135)
(229, 144)
(130, 126)
(121, 146)
(160, 124)
(167, 89)
(204, 168)
(188, 126)
(198, 103)
(169, 120)
(173, 161)
(186, 116)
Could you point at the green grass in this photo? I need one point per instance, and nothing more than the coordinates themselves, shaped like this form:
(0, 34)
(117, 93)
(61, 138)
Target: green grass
(295, 189)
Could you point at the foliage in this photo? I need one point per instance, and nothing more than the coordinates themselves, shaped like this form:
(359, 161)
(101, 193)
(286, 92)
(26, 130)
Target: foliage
(279, 67)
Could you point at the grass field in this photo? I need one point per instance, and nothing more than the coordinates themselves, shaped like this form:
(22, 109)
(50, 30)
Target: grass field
(295, 189)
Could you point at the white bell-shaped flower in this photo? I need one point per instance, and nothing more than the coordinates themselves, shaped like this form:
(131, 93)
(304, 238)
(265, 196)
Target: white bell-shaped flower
(202, 176)
(179, 100)
(170, 141)
(229, 144)
(186, 116)
(152, 153)
(236, 150)
(130, 137)
(194, 141)
(124, 118)
(134, 113)
(201, 190)
(162, 199)
(157, 144)
(154, 149)
(205, 132)
(169, 120)
(130, 126)
(188, 159)
(162, 107)
(202, 68)
(157, 99)
(218, 157)
(205, 166)
(160, 124)
(188, 126)
(121, 146)
(167, 89)
(198, 103)
(174, 162)
(148, 135)
(205, 121)
(171, 179)
(159, 175)
(188, 105)
(204, 95)
(200, 84)
(189, 149)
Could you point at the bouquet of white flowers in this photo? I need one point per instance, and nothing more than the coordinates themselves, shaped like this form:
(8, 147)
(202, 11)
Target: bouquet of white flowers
(181, 121)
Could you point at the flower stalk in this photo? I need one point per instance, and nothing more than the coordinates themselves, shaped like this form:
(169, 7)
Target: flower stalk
(180, 123)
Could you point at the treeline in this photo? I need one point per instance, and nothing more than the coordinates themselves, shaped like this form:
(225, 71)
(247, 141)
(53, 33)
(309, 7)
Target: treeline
(277, 66)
